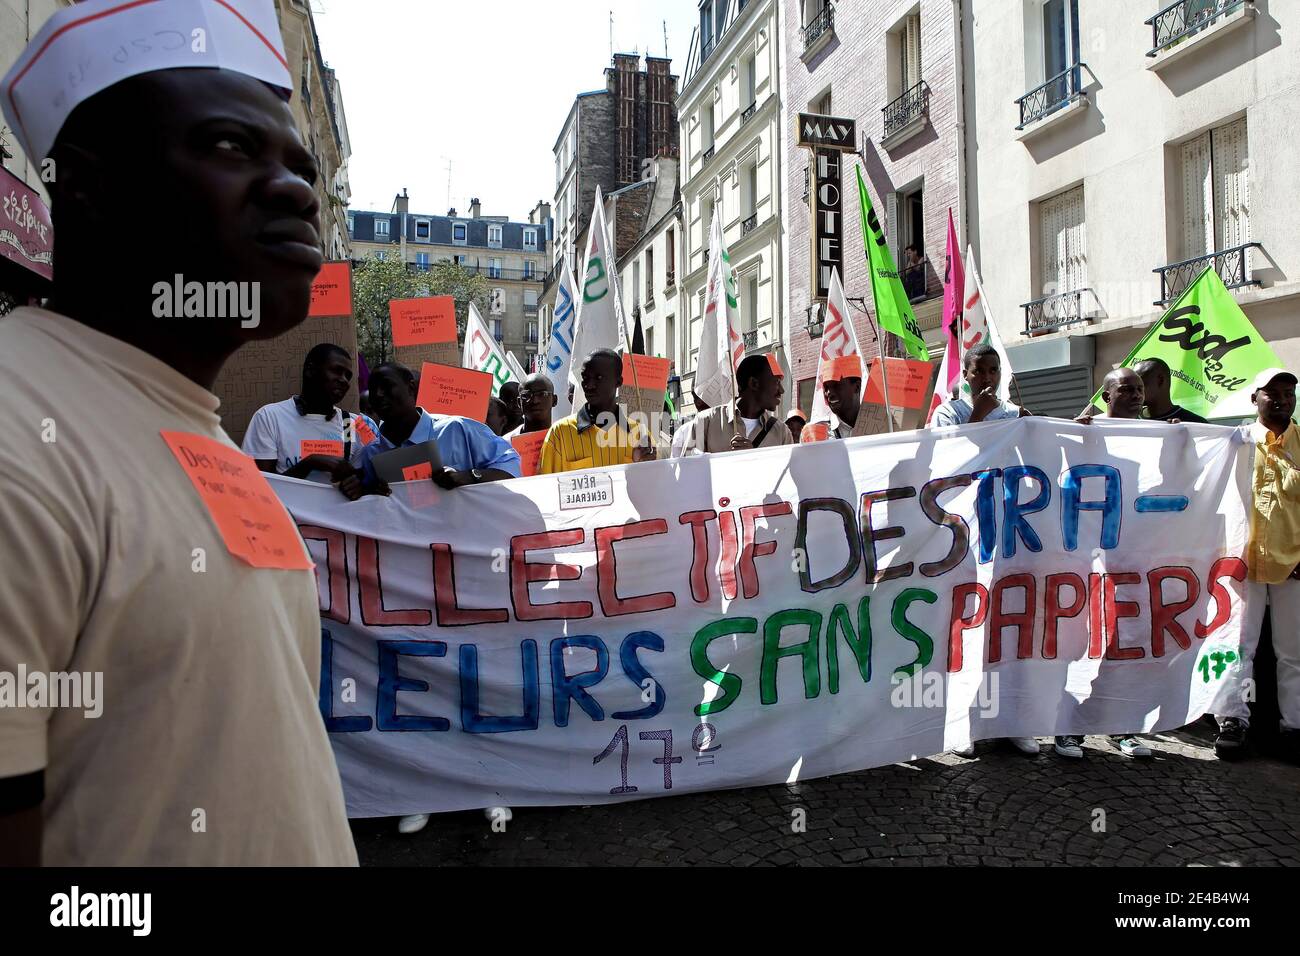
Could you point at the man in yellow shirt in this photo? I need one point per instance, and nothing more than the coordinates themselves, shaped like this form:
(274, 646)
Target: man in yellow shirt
(1273, 561)
(597, 436)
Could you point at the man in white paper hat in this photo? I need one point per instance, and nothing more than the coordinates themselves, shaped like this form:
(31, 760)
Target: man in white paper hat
(200, 740)
(1273, 567)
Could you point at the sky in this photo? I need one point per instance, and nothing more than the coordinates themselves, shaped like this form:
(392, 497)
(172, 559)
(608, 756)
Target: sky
(485, 85)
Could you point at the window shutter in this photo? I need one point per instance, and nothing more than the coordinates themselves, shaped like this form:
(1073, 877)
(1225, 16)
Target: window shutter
(891, 226)
(1076, 272)
(1231, 215)
(1198, 225)
(912, 51)
(1049, 222)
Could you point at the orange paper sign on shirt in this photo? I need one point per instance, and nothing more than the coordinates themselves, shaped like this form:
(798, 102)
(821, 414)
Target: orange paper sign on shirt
(645, 372)
(423, 321)
(529, 446)
(320, 446)
(364, 434)
(415, 472)
(331, 292)
(252, 522)
(909, 383)
(454, 391)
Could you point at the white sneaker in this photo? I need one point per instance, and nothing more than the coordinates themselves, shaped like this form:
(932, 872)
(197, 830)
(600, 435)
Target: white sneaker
(413, 823)
(967, 752)
(1132, 747)
(498, 813)
(1026, 745)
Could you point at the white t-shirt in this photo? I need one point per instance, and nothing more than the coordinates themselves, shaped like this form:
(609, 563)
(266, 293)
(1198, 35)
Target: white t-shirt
(209, 671)
(683, 445)
(751, 425)
(278, 431)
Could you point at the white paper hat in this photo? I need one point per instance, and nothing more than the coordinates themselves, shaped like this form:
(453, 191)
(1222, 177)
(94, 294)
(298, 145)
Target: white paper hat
(88, 47)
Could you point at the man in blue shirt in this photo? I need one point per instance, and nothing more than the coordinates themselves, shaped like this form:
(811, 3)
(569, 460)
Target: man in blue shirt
(471, 453)
(982, 370)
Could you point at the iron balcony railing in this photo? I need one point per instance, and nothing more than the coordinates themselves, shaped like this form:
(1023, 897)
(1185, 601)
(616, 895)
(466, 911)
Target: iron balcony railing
(750, 338)
(1232, 265)
(749, 225)
(1057, 92)
(749, 111)
(517, 275)
(914, 281)
(1054, 311)
(670, 279)
(708, 155)
(1184, 17)
(530, 310)
(912, 105)
(821, 24)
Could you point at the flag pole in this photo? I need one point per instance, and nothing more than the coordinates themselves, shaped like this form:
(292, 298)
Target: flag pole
(884, 368)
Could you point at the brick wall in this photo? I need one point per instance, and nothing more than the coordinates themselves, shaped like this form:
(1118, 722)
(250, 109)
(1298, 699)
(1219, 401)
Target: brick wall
(854, 65)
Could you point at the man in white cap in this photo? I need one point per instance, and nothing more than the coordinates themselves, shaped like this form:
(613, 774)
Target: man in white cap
(204, 744)
(1273, 564)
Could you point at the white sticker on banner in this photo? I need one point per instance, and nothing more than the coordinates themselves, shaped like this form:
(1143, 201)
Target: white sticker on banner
(588, 490)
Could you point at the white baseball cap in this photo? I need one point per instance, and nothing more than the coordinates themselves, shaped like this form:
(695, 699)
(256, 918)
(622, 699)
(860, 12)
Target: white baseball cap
(1266, 376)
(84, 49)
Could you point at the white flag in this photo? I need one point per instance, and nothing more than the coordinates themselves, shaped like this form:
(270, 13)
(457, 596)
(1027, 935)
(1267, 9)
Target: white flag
(978, 327)
(483, 353)
(838, 338)
(559, 349)
(516, 369)
(597, 324)
(721, 347)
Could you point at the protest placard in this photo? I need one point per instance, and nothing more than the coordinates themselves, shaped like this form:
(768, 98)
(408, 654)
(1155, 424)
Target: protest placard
(445, 390)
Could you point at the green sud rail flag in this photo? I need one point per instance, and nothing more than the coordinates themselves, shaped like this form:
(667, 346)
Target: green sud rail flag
(1212, 350)
(893, 311)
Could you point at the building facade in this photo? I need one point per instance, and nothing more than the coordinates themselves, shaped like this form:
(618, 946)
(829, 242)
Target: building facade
(891, 67)
(317, 105)
(731, 145)
(512, 256)
(647, 269)
(1117, 149)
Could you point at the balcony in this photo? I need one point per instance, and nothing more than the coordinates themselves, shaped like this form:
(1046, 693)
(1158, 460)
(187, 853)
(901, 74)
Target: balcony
(1053, 312)
(1232, 265)
(1059, 97)
(749, 225)
(1182, 25)
(670, 279)
(750, 339)
(749, 111)
(513, 275)
(818, 32)
(530, 310)
(914, 280)
(707, 155)
(906, 116)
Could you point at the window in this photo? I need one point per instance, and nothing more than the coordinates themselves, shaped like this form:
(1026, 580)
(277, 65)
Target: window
(458, 233)
(707, 128)
(1063, 266)
(529, 268)
(649, 275)
(670, 341)
(749, 200)
(650, 341)
(530, 298)
(497, 331)
(494, 237)
(822, 105)
(494, 268)
(748, 82)
(421, 230)
(352, 224)
(459, 260)
(422, 261)
(670, 254)
(750, 307)
(1216, 213)
(636, 283)
(1051, 39)
(907, 238)
(904, 55)
(497, 302)
(381, 228)
(530, 240)
(381, 255)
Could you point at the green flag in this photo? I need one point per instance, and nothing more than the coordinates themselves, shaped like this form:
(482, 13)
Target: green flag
(1212, 350)
(893, 311)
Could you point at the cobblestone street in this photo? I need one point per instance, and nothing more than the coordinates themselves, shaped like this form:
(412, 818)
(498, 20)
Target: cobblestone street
(1182, 808)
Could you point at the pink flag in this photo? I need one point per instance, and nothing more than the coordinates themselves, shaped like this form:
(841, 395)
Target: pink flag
(954, 284)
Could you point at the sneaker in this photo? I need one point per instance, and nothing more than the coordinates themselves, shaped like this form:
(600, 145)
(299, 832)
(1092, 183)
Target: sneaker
(1026, 745)
(413, 823)
(1069, 746)
(967, 752)
(1130, 746)
(1230, 743)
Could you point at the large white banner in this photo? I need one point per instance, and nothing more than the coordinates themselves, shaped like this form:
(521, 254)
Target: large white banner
(767, 616)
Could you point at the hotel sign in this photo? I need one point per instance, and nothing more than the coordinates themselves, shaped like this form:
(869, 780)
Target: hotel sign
(827, 137)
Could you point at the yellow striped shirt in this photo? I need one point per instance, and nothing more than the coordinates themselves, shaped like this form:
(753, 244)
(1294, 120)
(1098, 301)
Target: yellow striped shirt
(576, 442)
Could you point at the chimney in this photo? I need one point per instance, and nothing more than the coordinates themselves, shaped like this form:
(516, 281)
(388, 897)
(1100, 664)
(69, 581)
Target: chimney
(475, 208)
(401, 201)
(451, 213)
